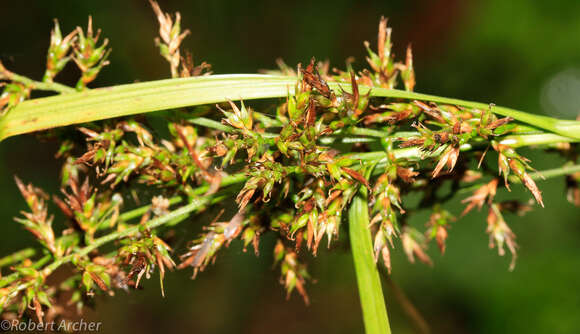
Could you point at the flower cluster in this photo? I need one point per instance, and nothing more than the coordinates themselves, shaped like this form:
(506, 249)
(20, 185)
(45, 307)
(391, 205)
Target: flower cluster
(293, 170)
(78, 45)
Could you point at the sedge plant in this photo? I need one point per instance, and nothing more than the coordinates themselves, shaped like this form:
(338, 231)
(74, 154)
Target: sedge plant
(337, 152)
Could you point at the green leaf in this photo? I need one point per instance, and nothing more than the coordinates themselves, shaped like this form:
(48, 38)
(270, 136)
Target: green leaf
(367, 274)
(110, 102)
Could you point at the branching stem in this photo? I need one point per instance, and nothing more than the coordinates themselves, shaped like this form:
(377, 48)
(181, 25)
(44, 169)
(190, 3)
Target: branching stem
(33, 84)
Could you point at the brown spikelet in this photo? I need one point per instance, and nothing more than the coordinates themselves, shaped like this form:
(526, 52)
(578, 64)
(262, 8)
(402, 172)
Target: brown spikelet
(499, 122)
(244, 198)
(410, 80)
(357, 176)
(448, 158)
(441, 236)
(412, 249)
(480, 196)
(382, 37)
(517, 167)
(411, 142)
(407, 174)
(432, 111)
(98, 281)
(313, 78)
(531, 185)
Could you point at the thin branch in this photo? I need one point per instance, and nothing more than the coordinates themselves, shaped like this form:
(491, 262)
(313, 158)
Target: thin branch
(33, 84)
(408, 307)
(536, 176)
(17, 257)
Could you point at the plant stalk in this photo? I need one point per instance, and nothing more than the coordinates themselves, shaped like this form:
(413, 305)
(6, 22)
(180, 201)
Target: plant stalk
(130, 99)
(367, 275)
(33, 84)
(17, 257)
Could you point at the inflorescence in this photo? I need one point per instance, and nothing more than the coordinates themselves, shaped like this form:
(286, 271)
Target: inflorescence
(292, 170)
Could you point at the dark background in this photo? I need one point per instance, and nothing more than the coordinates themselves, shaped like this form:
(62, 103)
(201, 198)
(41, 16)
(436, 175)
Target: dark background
(522, 54)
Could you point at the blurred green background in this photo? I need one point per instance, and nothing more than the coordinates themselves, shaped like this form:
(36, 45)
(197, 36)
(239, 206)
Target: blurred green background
(522, 54)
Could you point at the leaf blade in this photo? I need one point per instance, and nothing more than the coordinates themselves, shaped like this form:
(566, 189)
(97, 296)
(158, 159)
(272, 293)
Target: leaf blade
(130, 99)
(367, 275)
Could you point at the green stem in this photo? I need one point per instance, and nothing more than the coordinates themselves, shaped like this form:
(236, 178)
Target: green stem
(195, 204)
(210, 123)
(14, 276)
(367, 275)
(563, 127)
(17, 257)
(535, 139)
(516, 139)
(104, 103)
(131, 99)
(549, 173)
(33, 84)
(368, 132)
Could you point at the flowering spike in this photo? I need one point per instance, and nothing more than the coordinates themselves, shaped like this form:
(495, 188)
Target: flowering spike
(89, 57)
(171, 37)
(58, 52)
(438, 224)
(412, 245)
(500, 234)
(482, 195)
